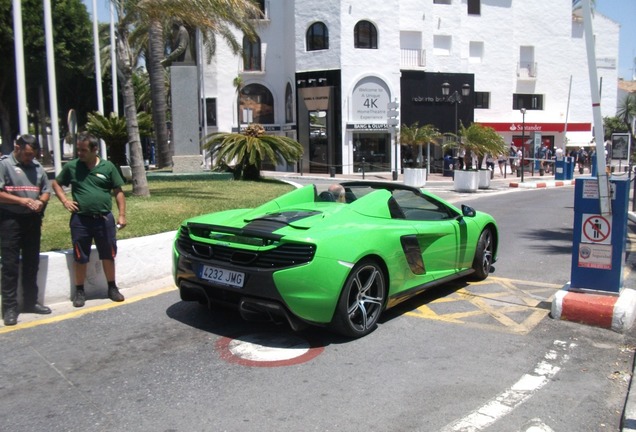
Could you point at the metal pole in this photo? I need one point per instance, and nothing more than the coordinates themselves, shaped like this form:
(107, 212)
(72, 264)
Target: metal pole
(98, 74)
(50, 67)
(603, 182)
(523, 141)
(19, 68)
(113, 60)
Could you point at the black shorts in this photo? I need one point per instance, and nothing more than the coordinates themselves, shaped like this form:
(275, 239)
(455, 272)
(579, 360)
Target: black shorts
(85, 229)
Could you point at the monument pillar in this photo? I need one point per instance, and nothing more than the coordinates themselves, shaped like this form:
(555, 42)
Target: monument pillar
(185, 118)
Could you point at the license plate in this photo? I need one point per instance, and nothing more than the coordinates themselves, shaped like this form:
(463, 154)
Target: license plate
(222, 276)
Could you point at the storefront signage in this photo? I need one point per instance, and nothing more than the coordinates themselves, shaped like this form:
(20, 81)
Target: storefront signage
(315, 98)
(539, 127)
(367, 126)
(369, 100)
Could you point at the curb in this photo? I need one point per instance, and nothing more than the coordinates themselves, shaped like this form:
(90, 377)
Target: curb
(610, 311)
(542, 184)
(138, 260)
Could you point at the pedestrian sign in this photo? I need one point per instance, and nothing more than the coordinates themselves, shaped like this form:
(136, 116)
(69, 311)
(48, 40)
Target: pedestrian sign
(596, 229)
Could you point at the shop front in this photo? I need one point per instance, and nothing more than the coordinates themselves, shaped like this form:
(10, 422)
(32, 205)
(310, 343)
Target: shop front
(368, 133)
(371, 148)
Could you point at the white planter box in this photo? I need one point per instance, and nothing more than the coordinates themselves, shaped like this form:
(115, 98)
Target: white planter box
(484, 179)
(415, 177)
(465, 181)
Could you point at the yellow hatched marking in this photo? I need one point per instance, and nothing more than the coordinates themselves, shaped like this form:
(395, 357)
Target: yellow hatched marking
(499, 310)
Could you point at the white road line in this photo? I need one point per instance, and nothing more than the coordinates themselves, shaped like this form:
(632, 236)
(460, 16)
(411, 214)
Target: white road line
(520, 392)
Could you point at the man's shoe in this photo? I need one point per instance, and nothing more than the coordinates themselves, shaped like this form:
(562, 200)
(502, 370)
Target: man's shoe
(115, 295)
(10, 317)
(80, 298)
(38, 309)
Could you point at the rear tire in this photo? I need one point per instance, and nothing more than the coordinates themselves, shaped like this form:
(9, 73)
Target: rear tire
(484, 253)
(361, 300)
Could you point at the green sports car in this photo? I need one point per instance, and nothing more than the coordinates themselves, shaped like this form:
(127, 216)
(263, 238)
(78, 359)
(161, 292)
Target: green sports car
(336, 257)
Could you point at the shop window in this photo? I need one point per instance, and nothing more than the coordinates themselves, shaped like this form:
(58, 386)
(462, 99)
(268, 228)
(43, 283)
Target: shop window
(527, 101)
(256, 105)
(289, 104)
(482, 100)
(474, 7)
(317, 37)
(365, 35)
(210, 111)
(251, 54)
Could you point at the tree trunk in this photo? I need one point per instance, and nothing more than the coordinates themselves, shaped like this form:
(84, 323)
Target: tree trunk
(158, 94)
(124, 56)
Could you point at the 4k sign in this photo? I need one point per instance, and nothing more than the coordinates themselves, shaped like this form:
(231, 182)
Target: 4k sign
(597, 229)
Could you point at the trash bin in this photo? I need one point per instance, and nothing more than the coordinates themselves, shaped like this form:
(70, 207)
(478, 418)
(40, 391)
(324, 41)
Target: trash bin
(448, 166)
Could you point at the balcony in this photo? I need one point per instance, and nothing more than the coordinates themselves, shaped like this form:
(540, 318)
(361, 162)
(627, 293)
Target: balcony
(412, 58)
(527, 70)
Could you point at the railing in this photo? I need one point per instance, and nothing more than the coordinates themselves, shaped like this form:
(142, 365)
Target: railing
(412, 57)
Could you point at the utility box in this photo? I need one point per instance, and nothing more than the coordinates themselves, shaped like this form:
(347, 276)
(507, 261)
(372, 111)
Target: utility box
(599, 241)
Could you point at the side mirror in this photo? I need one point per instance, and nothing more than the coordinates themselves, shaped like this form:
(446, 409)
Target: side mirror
(468, 211)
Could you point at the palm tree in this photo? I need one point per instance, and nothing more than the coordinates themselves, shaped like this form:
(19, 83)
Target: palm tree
(249, 149)
(112, 130)
(125, 67)
(210, 17)
(627, 112)
(482, 140)
(417, 136)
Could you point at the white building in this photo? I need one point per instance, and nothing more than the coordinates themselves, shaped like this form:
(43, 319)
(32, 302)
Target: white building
(324, 72)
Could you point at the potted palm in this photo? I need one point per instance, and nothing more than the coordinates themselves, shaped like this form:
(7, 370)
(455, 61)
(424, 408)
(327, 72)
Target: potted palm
(416, 136)
(480, 141)
(247, 150)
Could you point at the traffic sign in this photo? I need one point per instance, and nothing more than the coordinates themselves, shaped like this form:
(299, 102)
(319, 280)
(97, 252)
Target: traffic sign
(392, 105)
(392, 113)
(392, 121)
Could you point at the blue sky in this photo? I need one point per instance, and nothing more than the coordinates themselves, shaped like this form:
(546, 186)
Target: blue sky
(621, 11)
(624, 13)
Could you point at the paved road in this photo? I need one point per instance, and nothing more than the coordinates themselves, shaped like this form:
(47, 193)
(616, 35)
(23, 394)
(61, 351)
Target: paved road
(437, 363)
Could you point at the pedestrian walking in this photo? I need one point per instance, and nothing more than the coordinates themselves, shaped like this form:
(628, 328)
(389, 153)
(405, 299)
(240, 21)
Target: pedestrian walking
(92, 180)
(24, 193)
(501, 160)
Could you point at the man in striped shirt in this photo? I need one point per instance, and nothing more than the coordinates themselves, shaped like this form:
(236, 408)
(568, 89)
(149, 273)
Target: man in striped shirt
(24, 193)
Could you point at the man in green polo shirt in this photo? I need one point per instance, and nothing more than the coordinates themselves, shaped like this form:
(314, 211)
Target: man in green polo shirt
(92, 180)
(24, 192)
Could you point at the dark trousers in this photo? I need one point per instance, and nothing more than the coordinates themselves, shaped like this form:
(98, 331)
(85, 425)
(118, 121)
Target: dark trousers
(20, 235)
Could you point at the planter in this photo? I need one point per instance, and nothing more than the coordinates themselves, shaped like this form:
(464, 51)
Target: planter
(466, 181)
(484, 179)
(415, 177)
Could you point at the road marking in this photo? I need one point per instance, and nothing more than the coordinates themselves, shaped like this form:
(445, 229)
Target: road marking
(516, 395)
(84, 311)
(511, 305)
(267, 349)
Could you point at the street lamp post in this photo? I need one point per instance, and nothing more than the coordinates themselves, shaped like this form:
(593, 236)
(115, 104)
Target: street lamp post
(523, 140)
(455, 99)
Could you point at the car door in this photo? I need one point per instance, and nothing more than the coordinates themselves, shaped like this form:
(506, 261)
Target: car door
(437, 232)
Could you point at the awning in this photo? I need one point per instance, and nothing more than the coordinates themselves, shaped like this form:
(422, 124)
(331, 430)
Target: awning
(579, 139)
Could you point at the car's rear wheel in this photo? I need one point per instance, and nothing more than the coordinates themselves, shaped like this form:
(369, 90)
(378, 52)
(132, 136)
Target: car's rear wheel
(361, 301)
(484, 253)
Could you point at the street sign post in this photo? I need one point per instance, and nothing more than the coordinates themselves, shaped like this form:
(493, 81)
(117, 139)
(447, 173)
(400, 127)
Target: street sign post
(392, 121)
